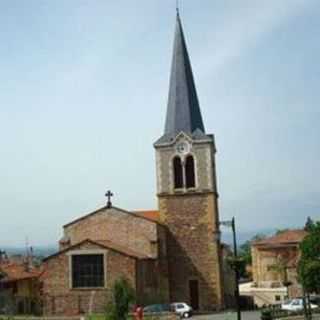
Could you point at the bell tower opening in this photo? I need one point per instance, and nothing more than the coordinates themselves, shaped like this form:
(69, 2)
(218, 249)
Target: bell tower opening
(190, 174)
(177, 173)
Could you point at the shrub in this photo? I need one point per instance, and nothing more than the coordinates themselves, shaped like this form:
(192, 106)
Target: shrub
(266, 314)
(122, 295)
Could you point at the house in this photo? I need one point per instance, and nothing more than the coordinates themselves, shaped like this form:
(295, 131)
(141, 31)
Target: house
(274, 267)
(19, 284)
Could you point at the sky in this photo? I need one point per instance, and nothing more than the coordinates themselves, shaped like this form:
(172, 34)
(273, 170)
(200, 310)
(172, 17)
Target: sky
(83, 93)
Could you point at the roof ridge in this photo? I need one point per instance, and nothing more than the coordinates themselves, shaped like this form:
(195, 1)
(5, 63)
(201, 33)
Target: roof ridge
(132, 213)
(125, 251)
(282, 237)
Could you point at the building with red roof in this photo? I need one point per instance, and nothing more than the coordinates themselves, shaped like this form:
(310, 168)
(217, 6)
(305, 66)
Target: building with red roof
(19, 283)
(274, 265)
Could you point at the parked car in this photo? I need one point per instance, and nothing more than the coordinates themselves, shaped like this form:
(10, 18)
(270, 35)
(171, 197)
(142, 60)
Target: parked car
(181, 309)
(157, 308)
(315, 299)
(295, 305)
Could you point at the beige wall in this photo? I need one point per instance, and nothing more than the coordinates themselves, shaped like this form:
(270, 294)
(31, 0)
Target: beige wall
(204, 162)
(265, 258)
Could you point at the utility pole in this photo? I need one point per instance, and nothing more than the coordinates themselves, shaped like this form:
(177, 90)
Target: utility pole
(232, 224)
(237, 275)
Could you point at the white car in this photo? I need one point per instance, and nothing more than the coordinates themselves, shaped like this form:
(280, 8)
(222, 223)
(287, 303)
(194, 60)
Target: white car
(295, 305)
(181, 309)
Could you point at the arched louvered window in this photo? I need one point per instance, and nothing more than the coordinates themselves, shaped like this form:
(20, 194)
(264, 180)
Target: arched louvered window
(190, 176)
(177, 173)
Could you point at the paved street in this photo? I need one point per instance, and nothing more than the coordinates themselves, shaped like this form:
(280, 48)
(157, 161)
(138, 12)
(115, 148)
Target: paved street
(248, 315)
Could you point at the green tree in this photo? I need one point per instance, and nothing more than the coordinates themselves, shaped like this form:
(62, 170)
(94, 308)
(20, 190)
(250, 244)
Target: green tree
(123, 296)
(309, 263)
(309, 224)
(245, 254)
(279, 231)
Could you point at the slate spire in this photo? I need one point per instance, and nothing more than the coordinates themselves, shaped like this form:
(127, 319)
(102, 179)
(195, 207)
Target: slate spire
(183, 111)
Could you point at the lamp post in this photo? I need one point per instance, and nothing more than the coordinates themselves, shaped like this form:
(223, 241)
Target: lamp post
(232, 224)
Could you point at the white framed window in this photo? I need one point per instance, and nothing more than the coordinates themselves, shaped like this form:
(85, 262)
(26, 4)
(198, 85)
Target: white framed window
(87, 269)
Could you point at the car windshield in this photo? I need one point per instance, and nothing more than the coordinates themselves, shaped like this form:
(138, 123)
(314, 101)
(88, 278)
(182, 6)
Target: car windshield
(157, 308)
(152, 308)
(315, 300)
(166, 307)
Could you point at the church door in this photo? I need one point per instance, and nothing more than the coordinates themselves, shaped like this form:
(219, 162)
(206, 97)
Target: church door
(194, 294)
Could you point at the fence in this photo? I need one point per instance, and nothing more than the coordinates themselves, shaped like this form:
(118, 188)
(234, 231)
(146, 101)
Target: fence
(278, 313)
(75, 304)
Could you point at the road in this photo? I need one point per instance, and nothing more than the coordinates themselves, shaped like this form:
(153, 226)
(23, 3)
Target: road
(246, 315)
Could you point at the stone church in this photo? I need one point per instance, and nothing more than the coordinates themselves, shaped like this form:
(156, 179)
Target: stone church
(169, 255)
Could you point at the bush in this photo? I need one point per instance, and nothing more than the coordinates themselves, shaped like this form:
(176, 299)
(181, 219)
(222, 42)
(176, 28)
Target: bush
(122, 295)
(266, 314)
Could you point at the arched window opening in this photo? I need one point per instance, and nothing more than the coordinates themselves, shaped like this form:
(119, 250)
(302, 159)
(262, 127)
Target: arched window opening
(190, 176)
(177, 172)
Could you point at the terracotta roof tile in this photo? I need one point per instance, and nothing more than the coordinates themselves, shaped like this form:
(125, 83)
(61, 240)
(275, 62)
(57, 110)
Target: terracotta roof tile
(15, 272)
(283, 238)
(153, 215)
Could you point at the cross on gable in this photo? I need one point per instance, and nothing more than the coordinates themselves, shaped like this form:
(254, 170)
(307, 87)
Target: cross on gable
(109, 194)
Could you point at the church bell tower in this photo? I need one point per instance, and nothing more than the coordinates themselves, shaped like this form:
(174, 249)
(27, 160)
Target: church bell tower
(187, 191)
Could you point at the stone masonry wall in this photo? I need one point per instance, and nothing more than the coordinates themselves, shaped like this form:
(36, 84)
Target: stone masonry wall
(60, 299)
(204, 162)
(162, 265)
(192, 252)
(117, 226)
(153, 275)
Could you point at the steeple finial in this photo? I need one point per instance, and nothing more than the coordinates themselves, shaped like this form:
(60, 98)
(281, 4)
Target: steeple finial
(177, 7)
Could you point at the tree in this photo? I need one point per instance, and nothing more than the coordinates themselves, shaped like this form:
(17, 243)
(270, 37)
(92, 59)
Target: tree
(122, 296)
(279, 231)
(309, 263)
(245, 254)
(309, 224)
